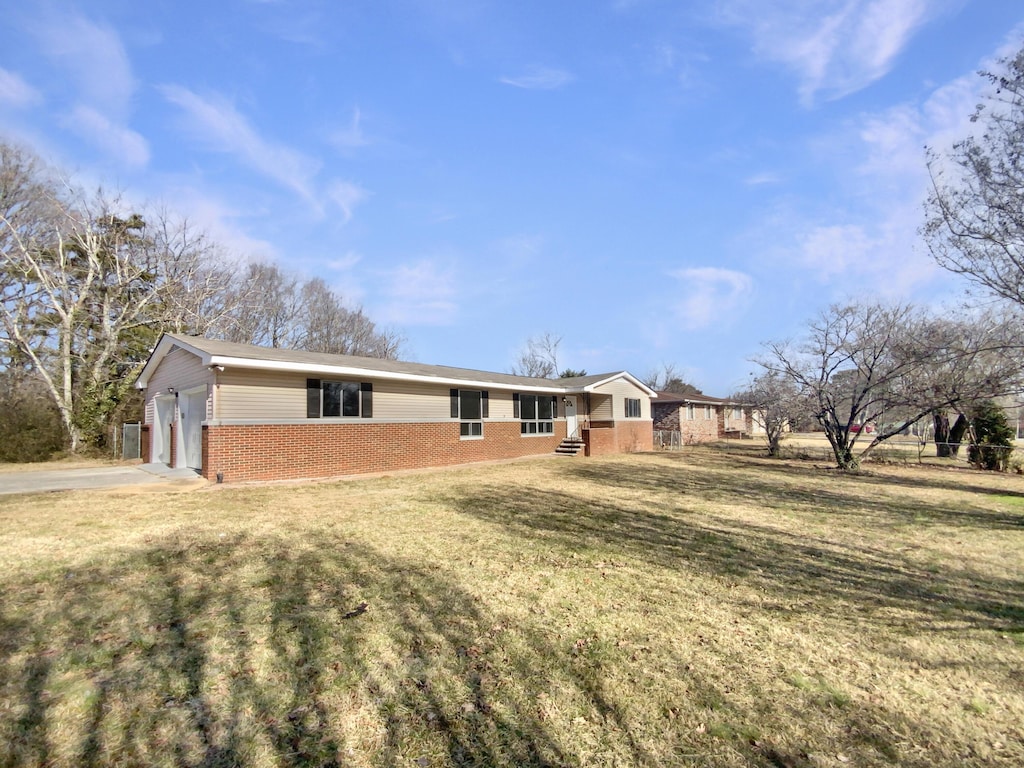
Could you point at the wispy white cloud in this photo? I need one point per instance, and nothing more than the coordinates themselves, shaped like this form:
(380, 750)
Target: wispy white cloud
(97, 66)
(346, 196)
(419, 293)
(351, 136)
(93, 57)
(833, 48)
(225, 222)
(709, 295)
(15, 92)
(684, 63)
(540, 79)
(218, 124)
(118, 141)
(870, 243)
(761, 179)
(344, 263)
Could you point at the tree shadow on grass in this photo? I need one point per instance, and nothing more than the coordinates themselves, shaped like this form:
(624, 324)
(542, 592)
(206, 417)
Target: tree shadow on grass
(769, 485)
(242, 652)
(788, 566)
(957, 478)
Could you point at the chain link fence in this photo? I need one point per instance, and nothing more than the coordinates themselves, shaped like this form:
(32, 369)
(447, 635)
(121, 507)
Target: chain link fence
(668, 440)
(131, 441)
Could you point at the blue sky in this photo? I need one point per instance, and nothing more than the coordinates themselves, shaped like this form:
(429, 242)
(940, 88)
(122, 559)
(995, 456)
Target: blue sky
(656, 182)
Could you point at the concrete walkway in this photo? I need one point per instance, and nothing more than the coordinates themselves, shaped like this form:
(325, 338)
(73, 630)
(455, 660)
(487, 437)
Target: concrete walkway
(92, 477)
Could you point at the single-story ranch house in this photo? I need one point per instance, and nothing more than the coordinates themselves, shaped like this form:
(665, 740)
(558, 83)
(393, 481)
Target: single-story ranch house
(239, 412)
(699, 418)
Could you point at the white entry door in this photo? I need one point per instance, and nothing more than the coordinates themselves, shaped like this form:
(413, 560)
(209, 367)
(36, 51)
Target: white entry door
(571, 424)
(162, 422)
(193, 410)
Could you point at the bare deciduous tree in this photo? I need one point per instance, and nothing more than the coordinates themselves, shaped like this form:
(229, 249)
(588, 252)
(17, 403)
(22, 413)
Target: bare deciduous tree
(87, 285)
(777, 403)
(79, 301)
(888, 366)
(667, 378)
(330, 326)
(539, 358)
(975, 219)
(274, 308)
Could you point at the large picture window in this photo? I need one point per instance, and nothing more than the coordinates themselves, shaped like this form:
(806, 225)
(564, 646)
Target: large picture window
(536, 413)
(470, 407)
(335, 399)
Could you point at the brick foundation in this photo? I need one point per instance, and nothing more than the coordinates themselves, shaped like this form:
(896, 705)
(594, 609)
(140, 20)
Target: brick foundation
(295, 451)
(672, 417)
(603, 438)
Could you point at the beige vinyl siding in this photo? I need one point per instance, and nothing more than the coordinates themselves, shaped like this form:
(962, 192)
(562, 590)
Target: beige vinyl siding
(615, 407)
(501, 405)
(601, 407)
(181, 370)
(260, 395)
(411, 401)
(271, 396)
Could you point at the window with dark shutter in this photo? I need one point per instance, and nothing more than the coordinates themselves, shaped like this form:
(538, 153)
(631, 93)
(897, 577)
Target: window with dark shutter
(366, 390)
(471, 407)
(338, 399)
(312, 398)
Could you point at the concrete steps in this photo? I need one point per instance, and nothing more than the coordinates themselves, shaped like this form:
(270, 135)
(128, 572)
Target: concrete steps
(570, 447)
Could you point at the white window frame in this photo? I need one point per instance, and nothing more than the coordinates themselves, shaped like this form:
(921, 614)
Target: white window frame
(535, 425)
(472, 428)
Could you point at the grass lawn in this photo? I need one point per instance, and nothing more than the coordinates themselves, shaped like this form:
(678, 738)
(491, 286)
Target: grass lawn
(707, 607)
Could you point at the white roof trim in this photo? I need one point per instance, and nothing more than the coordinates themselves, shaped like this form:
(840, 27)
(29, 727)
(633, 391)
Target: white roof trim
(371, 373)
(622, 375)
(167, 343)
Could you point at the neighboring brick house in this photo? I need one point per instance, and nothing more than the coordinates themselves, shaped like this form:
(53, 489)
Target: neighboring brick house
(239, 412)
(699, 418)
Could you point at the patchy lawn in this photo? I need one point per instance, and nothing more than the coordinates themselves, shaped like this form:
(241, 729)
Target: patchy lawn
(702, 608)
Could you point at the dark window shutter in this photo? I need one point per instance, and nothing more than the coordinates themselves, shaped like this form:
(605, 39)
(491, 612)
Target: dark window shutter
(312, 398)
(515, 405)
(455, 403)
(554, 406)
(366, 390)
(485, 408)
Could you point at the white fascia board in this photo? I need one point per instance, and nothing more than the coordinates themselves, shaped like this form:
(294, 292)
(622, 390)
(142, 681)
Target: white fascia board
(371, 373)
(623, 375)
(163, 347)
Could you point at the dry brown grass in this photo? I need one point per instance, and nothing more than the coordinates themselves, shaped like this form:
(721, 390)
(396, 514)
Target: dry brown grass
(706, 608)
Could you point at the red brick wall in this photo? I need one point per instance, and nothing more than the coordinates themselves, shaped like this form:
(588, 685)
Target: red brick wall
(635, 436)
(666, 416)
(619, 437)
(600, 442)
(293, 451)
(699, 429)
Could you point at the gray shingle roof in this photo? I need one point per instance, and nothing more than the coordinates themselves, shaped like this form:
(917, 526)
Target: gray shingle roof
(218, 351)
(665, 398)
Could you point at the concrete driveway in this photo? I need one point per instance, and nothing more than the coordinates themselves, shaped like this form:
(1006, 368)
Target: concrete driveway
(91, 477)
